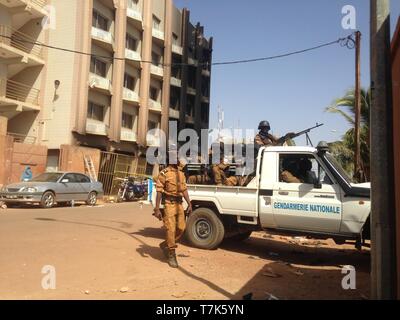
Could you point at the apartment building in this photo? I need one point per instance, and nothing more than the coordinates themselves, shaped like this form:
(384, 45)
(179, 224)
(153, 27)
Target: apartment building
(22, 66)
(142, 64)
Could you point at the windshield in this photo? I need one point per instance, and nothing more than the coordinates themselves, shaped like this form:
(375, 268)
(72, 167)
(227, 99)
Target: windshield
(47, 177)
(338, 168)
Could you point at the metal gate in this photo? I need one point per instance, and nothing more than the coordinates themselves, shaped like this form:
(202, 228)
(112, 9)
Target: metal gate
(114, 167)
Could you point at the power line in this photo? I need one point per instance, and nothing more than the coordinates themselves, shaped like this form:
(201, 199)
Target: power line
(344, 42)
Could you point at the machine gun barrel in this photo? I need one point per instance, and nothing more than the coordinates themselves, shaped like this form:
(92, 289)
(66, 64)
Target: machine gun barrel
(282, 140)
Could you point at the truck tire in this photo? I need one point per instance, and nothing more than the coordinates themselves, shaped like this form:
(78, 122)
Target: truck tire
(240, 236)
(204, 229)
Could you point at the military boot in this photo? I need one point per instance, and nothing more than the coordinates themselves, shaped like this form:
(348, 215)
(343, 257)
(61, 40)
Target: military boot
(172, 259)
(164, 248)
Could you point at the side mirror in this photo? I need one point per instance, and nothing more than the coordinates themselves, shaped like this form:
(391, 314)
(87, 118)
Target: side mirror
(64, 180)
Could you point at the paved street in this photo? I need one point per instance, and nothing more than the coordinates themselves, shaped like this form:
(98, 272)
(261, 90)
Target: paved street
(98, 251)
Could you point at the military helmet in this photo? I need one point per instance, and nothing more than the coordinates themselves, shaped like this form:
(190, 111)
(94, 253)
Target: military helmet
(263, 124)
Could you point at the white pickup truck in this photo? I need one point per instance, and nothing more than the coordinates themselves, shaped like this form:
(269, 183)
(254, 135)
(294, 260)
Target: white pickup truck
(326, 204)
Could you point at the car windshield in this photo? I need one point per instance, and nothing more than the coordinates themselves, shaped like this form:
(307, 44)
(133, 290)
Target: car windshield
(338, 168)
(47, 177)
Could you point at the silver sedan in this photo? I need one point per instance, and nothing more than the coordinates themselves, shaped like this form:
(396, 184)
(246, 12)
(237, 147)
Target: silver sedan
(50, 188)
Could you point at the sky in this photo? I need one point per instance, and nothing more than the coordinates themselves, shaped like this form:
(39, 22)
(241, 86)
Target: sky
(292, 93)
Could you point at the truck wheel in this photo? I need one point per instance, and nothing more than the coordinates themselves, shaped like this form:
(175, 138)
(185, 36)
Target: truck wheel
(204, 229)
(240, 236)
(48, 200)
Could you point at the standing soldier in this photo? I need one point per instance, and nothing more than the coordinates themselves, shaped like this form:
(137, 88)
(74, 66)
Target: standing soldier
(171, 188)
(264, 138)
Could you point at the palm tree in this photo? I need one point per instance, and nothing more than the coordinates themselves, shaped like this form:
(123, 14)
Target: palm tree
(344, 150)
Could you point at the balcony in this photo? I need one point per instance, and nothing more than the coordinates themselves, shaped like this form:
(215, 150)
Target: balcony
(26, 9)
(157, 71)
(154, 106)
(205, 73)
(15, 94)
(177, 49)
(191, 91)
(176, 82)
(174, 113)
(96, 127)
(128, 135)
(158, 34)
(192, 62)
(98, 82)
(15, 45)
(104, 38)
(136, 16)
(153, 140)
(133, 57)
(205, 99)
(130, 96)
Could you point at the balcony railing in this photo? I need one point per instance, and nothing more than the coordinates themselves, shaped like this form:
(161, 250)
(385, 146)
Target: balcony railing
(176, 82)
(158, 34)
(177, 49)
(19, 92)
(128, 135)
(132, 55)
(154, 105)
(134, 13)
(99, 82)
(20, 41)
(130, 95)
(40, 3)
(173, 113)
(157, 71)
(102, 35)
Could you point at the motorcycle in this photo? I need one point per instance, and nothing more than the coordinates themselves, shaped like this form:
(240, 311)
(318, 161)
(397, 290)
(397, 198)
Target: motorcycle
(129, 190)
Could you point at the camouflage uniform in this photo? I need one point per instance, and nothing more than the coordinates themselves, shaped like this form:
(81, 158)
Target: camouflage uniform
(171, 183)
(264, 141)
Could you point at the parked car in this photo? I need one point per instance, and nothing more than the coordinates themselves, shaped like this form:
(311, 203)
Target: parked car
(50, 188)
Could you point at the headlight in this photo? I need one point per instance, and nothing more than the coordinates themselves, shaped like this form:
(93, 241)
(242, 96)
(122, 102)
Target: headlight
(29, 189)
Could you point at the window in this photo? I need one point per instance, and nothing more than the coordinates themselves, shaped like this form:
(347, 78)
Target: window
(134, 4)
(98, 67)
(298, 168)
(131, 43)
(153, 93)
(152, 125)
(156, 23)
(129, 82)
(127, 121)
(175, 39)
(155, 59)
(99, 21)
(82, 178)
(71, 178)
(95, 112)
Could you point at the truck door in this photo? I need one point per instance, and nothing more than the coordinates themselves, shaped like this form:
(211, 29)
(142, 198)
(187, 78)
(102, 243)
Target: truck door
(305, 196)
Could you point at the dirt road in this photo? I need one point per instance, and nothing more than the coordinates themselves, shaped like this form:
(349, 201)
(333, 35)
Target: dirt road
(111, 252)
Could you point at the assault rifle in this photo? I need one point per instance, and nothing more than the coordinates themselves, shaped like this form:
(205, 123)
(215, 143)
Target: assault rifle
(289, 136)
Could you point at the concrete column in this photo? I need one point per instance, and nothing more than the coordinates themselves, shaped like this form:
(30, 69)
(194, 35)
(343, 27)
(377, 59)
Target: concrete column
(118, 71)
(82, 64)
(185, 46)
(166, 89)
(199, 80)
(145, 75)
(3, 125)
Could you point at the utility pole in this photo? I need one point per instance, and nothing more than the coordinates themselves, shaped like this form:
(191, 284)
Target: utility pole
(383, 254)
(357, 168)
